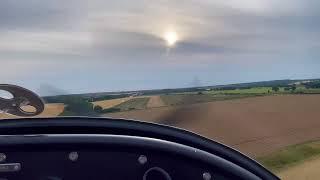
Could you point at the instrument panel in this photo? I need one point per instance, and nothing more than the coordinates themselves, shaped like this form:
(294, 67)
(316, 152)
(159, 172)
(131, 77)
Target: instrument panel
(90, 157)
(107, 164)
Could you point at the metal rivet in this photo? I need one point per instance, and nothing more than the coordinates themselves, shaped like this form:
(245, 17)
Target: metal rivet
(206, 176)
(16, 167)
(142, 159)
(73, 156)
(3, 157)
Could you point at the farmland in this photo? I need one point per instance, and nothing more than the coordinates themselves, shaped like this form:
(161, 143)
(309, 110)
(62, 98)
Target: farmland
(255, 125)
(135, 103)
(270, 121)
(290, 156)
(51, 110)
(263, 127)
(295, 162)
(105, 104)
(155, 101)
(83, 104)
(187, 99)
(255, 90)
(309, 169)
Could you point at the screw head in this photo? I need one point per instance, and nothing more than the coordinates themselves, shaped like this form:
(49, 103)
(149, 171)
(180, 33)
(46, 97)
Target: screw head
(206, 176)
(73, 156)
(16, 167)
(3, 157)
(142, 159)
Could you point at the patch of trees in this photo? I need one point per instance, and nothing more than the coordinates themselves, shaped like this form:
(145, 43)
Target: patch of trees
(111, 110)
(107, 97)
(59, 99)
(290, 88)
(76, 106)
(245, 87)
(170, 91)
(65, 98)
(278, 83)
(312, 84)
(225, 88)
(98, 109)
(231, 88)
(275, 88)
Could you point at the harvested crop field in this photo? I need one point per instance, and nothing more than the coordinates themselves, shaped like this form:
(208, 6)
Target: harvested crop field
(50, 110)
(105, 104)
(134, 103)
(306, 170)
(255, 126)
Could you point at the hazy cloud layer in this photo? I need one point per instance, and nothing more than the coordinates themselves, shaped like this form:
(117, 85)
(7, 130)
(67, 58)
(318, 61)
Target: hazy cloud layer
(218, 42)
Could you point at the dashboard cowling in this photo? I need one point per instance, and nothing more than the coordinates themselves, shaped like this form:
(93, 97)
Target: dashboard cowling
(183, 155)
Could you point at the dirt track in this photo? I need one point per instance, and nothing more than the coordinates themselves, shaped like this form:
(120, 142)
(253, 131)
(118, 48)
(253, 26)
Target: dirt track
(255, 126)
(155, 101)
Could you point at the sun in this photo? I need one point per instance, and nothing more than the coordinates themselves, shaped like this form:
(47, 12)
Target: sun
(171, 38)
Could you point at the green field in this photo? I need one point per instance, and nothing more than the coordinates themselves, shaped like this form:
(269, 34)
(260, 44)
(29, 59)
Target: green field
(257, 90)
(136, 103)
(302, 89)
(185, 99)
(290, 156)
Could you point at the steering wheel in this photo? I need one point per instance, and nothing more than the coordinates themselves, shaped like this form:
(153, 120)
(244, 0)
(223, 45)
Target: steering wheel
(102, 148)
(21, 97)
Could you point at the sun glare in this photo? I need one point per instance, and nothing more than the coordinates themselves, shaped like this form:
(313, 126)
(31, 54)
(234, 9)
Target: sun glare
(171, 38)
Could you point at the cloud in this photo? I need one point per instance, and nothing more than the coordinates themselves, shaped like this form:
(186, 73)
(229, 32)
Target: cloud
(49, 90)
(69, 35)
(39, 14)
(119, 28)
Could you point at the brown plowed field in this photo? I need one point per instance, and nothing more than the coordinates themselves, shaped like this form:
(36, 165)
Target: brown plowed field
(255, 126)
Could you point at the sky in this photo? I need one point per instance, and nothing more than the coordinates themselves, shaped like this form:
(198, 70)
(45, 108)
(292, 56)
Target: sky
(75, 46)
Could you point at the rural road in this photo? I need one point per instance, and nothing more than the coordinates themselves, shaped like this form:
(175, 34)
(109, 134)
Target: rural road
(255, 126)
